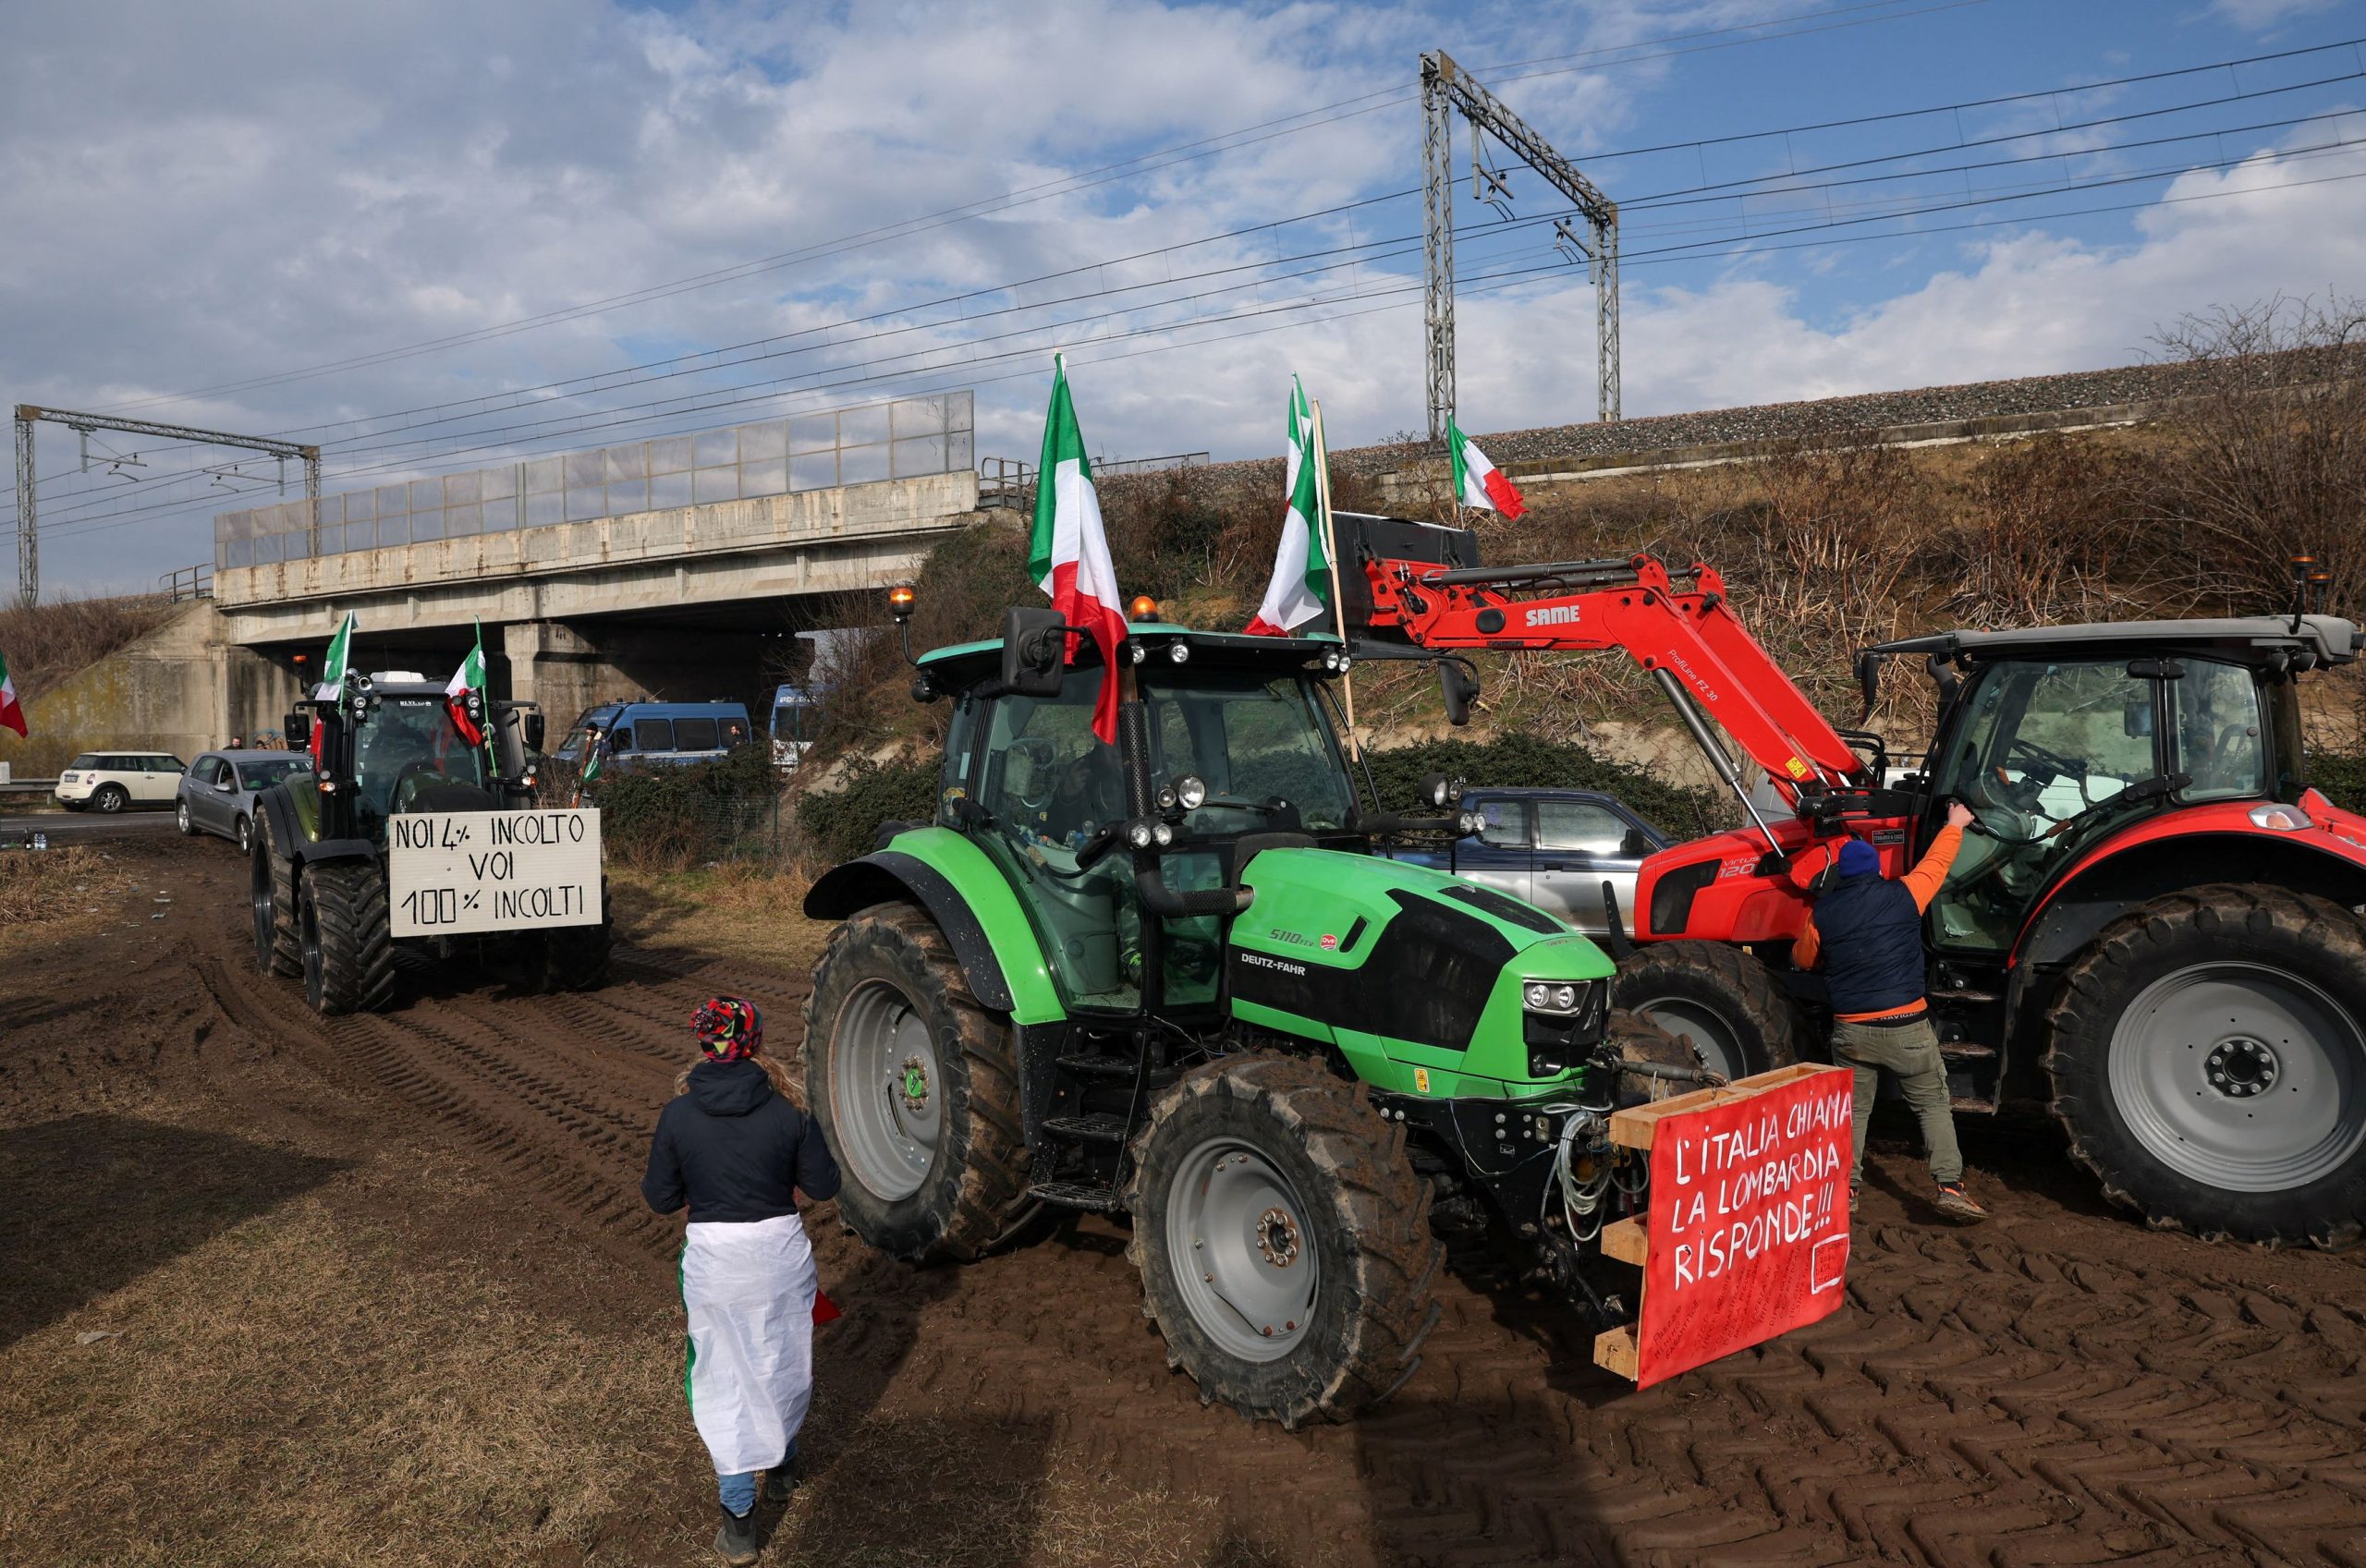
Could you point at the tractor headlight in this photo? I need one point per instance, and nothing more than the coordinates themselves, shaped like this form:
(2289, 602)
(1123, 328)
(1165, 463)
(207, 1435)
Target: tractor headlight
(1191, 791)
(1166, 797)
(1139, 653)
(1163, 835)
(1564, 998)
(1139, 835)
(1538, 995)
(1562, 1022)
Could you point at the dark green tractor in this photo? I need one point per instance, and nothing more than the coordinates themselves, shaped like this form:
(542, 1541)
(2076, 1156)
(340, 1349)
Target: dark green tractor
(1170, 978)
(388, 745)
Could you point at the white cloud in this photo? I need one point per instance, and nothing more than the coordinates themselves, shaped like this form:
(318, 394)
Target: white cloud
(2260, 15)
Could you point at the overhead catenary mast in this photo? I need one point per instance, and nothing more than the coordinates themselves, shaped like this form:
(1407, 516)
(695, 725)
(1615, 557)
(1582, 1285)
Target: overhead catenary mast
(1446, 88)
(28, 415)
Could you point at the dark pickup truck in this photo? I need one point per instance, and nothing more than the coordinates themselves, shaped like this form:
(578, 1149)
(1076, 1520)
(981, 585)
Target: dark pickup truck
(1552, 847)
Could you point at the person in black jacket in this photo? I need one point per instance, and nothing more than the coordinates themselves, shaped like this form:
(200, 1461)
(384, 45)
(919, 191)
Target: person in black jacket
(734, 1147)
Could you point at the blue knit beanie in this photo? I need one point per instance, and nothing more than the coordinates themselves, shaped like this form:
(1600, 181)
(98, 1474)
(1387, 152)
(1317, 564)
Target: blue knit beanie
(1859, 859)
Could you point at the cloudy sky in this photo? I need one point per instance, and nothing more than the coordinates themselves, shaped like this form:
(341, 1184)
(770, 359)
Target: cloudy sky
(436, 234)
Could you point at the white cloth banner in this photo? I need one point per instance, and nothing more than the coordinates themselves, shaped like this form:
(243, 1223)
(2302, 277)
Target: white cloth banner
(748, 1292)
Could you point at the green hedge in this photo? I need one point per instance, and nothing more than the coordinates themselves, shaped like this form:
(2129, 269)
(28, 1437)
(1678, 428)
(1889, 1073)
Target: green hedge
(2341, 779)
(844, 822)
(700, 811)
(1511, 762)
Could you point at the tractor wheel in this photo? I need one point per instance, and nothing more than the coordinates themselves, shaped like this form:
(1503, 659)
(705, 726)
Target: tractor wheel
(917, 1090)
(2208, 1058)
(573, 957)
(1721, 1000)
(1284, 1240)
(272, 887)
(349, 951)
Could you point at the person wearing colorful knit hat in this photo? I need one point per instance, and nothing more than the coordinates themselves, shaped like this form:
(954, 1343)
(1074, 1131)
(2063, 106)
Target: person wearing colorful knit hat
(734, 1147)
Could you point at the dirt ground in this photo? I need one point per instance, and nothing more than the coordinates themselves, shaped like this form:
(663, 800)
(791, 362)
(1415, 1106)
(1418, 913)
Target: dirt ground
(382, 1290)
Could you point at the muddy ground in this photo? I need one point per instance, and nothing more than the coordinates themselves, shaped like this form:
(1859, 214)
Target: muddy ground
(382, 1290)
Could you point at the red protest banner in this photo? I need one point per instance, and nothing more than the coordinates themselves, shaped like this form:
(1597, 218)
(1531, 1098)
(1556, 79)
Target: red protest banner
(1748, 1230)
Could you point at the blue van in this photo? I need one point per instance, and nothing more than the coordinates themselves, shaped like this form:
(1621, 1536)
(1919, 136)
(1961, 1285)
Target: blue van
(657, 733)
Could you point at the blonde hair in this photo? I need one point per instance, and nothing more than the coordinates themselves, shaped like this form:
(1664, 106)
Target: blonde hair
(774, 1071)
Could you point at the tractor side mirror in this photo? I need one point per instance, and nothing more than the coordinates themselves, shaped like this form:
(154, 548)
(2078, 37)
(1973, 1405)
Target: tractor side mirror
(2135, 720)
(1033, 652)
(532, 725)
(1460, 689)
(1869, 681)
(297, 727)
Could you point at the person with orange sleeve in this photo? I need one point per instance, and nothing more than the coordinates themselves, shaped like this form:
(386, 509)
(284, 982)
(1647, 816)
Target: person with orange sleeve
(1865, 933)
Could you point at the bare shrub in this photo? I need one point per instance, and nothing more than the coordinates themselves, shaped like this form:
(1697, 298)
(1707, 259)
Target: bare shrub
(45, 643)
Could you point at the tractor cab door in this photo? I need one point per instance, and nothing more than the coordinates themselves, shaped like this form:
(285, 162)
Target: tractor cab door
(2050, 755)
(1049, 784)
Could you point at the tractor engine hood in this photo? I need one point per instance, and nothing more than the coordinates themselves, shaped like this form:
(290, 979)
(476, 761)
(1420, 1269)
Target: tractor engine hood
(1424, 970)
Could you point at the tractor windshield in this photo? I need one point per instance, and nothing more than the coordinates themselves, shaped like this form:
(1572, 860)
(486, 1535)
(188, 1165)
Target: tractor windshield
(410, 744)
(1252, 739)
(2045, 756)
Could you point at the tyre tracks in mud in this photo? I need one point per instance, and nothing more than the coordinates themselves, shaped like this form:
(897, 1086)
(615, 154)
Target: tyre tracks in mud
(2058, 1386)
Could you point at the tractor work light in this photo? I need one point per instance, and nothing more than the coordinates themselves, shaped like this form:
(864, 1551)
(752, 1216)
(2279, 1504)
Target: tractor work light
(1469, 822)
(1163, 835)
(1139, 835)
(1179, 652)
(1191, 792)
(1166, 797)
(900, 600)
(1139, 653)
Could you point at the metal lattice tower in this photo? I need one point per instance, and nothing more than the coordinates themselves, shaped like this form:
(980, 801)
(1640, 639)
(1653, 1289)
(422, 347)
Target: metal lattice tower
(1446, 89)
(28, 415)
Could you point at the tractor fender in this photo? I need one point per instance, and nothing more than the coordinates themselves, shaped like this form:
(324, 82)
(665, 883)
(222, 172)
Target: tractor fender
(2131, 871)
(1001, 955)
(286, 829)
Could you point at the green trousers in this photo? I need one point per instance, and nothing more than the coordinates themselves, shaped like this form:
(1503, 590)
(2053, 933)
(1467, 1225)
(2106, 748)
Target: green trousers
(1908, 1053)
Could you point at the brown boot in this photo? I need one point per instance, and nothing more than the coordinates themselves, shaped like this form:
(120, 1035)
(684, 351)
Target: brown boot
(1958, 1204)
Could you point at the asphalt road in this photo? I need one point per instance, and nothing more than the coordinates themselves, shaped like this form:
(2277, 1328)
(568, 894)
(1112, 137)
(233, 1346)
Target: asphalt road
(84, 827)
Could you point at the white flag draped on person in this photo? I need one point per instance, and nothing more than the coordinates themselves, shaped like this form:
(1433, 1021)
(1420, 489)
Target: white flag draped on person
(1302, 583)
(1069, 553)
(1479, 483)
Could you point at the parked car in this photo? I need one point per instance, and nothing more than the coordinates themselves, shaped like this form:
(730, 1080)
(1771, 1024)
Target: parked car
(1554, 848)
(217, 794)
(658, 734)
(117, 781)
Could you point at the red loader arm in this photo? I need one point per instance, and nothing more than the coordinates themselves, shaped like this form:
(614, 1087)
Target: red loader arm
(1689, 640)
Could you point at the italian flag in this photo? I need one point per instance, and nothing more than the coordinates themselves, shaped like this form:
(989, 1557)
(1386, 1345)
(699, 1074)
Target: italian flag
(12, 713)
(1301, 568)
(340, 653)
(1069, 556)
(468, 677)
(1478, 483)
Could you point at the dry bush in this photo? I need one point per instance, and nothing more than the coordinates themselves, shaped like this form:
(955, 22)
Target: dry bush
(2271, 458)
(45, 643)
(49, 894)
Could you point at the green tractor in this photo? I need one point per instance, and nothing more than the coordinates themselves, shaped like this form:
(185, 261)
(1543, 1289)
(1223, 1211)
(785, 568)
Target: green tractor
(388, 747)
(1170, 978)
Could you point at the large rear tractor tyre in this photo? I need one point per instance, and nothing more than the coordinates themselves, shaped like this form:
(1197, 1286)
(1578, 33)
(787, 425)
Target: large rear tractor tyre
(1723, 1002)
(1284, 1240)
(348, 951)
(272, 888)
(2208, 1058)
(916, 1087)
(1642, 1041)
(573, 957)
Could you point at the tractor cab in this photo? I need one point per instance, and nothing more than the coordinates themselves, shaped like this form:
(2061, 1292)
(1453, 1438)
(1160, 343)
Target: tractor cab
(1239, 748)
(2061, 738)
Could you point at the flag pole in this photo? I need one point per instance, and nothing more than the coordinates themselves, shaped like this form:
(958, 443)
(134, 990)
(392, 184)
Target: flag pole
(1331, 558)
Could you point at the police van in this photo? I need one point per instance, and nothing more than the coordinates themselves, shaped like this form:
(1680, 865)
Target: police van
(648, 733)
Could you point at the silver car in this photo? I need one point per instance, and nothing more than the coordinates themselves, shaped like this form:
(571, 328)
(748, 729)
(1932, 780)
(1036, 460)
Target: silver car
(217, 794)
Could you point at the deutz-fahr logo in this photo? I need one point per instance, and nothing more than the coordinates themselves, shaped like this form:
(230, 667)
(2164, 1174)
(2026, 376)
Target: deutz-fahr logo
(1553, 615)
(1261, 960)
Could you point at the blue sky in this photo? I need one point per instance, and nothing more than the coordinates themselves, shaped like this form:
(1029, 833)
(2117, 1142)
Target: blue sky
(518, 204)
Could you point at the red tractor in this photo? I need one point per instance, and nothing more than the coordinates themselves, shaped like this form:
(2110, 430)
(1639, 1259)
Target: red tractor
(2153, 929)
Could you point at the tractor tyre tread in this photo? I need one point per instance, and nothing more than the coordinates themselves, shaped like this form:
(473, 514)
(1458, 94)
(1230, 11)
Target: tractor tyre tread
(356, 941)
(967, 1203)
(2097, 988)
(287, 939)
(1387, 1307)
(1771, 1029)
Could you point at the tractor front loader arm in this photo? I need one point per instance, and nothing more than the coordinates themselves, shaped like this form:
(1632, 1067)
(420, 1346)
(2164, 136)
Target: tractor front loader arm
(1691, 639)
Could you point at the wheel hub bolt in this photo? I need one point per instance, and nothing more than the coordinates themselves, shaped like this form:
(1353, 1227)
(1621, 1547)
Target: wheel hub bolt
(2240, 1067)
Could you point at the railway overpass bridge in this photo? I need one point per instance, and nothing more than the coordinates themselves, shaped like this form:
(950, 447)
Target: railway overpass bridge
(677, 567)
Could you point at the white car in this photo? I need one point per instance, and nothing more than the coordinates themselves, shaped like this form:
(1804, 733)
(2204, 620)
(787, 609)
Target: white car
(117, 781)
